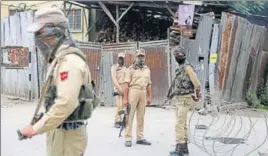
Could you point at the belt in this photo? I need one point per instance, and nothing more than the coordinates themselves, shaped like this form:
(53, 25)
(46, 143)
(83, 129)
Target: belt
(138, 87)
(71, 125)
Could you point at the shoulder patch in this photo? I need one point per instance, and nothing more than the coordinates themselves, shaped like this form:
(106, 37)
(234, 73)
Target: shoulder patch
(64, 75)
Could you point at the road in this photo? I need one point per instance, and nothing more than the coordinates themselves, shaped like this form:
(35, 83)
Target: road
(159, 129)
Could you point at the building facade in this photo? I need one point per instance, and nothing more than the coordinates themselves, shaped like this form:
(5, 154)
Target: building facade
(76, 15)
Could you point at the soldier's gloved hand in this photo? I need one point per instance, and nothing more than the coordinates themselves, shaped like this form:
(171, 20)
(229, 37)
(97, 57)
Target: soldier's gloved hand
(28, 131)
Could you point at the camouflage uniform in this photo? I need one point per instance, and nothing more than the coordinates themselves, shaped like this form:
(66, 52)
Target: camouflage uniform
(185, 86)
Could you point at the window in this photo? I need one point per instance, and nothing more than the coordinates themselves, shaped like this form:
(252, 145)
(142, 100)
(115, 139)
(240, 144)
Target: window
(13, 12)
(74, 18)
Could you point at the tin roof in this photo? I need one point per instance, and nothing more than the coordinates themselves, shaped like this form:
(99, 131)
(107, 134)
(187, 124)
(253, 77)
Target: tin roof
(254, 8)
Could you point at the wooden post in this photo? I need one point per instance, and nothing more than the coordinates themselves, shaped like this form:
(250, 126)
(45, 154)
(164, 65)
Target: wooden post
(70, 6)
(116, 22)
(108, 13)
(117, 26)
(170, 11)
(123, 14)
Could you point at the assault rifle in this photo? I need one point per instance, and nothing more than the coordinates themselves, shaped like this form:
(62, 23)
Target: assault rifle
(161, 105)
(37, 116)
(116, 94)
(124, 122)
(170, 95)
(35, 119)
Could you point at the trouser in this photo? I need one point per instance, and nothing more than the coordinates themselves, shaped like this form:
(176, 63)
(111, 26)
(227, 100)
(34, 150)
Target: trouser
(137, 99)
(183, 105)
(67, 142)
(119, 106)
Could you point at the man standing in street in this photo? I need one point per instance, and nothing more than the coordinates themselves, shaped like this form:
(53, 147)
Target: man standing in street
(66, 114)
(137, 93)
(118, 71)
(186, 91)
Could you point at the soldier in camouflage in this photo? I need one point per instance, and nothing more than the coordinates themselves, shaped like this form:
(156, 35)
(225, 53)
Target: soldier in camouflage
(186, 91)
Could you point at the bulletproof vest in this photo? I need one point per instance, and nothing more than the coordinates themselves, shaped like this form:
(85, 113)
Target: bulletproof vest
(183, 84)
(87, 98)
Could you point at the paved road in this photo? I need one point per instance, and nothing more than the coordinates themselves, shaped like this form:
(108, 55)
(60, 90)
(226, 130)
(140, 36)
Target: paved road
(103, 138)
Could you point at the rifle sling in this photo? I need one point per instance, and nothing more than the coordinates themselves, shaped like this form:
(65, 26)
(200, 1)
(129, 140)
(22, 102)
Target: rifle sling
(44, 89)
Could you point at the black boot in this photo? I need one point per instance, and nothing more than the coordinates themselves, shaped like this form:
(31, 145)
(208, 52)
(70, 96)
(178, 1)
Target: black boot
(179, 151)
(117, 124)
(143, 142)
(185, 148)
(128, 143)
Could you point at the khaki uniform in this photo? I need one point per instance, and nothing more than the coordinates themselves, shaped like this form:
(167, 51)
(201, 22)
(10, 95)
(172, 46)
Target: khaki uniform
(183, 105)
(70, 73)
(138, 80)
(118, 76)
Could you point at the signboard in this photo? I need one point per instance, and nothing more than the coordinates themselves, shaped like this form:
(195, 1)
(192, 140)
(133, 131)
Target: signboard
(213, 58)
(186, 15)
(14, 56)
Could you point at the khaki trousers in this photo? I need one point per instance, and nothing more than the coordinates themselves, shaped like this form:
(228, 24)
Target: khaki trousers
(67, 142)
(119, 107)
(183, 105)
(138, 100)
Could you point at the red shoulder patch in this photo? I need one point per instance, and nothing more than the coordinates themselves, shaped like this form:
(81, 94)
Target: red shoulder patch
(63, 75)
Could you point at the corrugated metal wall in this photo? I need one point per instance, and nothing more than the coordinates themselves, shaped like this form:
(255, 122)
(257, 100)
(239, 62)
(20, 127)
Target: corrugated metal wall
(263, 68)
(227, 21)
(240, 45)
(102, 57)
(212, 65)
(109, 53)
(93, 53)
(15, 81)
(157, 58)
(239, 58)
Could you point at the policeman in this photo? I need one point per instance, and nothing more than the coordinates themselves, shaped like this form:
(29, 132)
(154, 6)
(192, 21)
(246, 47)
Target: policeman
(118, 71)
(187, 92)
(64, 120)
(137, 92)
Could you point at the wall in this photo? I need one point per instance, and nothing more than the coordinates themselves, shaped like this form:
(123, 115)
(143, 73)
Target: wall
(102, 56)
(19, 81)
(262, 66)
(157, 58)
(239, 51)
(78, 35)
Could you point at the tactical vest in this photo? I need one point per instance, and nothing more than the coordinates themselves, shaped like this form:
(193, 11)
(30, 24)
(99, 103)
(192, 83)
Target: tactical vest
(183, 84)
(87, 98)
